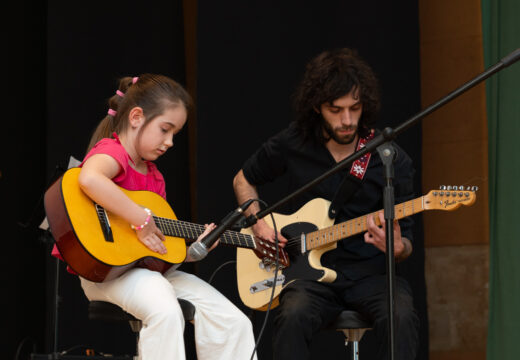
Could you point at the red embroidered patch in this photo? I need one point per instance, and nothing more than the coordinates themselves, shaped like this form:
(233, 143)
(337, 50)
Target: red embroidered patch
(359, 167)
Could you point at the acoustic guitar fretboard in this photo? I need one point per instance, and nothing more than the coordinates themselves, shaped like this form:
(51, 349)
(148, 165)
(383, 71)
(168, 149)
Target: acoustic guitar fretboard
(191, 231)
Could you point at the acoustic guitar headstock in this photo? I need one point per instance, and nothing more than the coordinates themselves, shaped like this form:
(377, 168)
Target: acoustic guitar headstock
(266, 251)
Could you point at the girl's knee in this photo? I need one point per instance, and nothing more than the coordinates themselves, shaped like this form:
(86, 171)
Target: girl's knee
(170, 315)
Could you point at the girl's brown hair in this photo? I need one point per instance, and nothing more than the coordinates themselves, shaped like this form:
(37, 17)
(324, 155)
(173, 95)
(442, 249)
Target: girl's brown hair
(153, 93)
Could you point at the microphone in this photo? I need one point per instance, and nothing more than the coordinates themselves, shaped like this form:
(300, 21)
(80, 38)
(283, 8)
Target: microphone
(199, 249)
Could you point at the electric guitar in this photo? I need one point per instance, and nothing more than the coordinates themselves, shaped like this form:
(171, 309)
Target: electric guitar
(100, 246)
(310, 234)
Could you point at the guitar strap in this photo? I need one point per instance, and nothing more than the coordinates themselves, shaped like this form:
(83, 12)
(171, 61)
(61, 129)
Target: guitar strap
(353, 179)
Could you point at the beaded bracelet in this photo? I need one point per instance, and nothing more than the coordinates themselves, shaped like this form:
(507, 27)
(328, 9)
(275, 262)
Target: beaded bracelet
(149, 212)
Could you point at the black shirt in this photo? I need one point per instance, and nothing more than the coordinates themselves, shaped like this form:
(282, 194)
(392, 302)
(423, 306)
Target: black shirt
(285, 153)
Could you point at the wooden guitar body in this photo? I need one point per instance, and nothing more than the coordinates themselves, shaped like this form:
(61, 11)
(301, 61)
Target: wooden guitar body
(87, 249)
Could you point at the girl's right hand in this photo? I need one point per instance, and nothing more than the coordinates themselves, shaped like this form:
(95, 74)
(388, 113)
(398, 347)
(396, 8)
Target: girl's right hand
(265, 232)
(152, 237)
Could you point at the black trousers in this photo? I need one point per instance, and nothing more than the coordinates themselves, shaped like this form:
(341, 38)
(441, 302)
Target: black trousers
(306, 307)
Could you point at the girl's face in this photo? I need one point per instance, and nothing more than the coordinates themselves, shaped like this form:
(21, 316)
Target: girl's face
(157, 136)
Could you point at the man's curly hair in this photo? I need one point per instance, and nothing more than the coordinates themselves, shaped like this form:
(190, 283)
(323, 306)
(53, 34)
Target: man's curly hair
(329, 76)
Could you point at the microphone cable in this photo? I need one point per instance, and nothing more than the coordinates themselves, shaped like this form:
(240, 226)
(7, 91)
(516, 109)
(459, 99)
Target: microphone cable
(277, 263)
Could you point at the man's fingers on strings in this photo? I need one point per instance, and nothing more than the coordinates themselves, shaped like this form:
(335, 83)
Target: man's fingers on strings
(372, 228)
(371, 224)
(272, 238)
(281, 240)
(396, 225)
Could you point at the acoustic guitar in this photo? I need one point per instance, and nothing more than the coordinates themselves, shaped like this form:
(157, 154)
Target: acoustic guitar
(310, 234)
(100, 246)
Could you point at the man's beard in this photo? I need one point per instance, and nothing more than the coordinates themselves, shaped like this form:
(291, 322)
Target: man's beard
(343, 140)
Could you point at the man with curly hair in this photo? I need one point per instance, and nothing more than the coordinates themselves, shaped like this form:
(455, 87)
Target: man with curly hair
(336, 106)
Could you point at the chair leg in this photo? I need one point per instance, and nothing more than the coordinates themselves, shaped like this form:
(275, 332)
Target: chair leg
(136, 326)
(137, 356)
(355, 350)
(353, 336)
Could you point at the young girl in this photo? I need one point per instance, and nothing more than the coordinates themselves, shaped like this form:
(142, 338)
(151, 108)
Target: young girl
(144, 115)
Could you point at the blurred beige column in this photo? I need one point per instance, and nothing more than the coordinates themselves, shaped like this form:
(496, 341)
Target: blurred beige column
(455, 153)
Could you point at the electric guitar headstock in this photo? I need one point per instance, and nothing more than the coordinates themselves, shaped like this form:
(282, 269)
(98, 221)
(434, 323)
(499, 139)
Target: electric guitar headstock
(450, 197)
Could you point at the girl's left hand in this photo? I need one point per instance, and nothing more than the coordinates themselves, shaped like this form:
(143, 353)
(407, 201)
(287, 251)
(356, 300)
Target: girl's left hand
(208, 228)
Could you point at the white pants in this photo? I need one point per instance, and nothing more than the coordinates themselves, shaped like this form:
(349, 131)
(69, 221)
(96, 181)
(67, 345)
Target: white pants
(222, 331)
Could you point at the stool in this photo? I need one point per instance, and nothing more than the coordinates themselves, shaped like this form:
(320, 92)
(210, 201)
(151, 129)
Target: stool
(353, 325)
(106, 311)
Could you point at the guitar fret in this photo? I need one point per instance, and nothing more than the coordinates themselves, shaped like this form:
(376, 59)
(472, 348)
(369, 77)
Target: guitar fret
(229, 237)
(184, 232)
(177, 228)
(317, 240)
(193, 233)
(241, 240)
(235, 239)
(161, 225)
(313, 240)
(325, 237)
(183, 229)
(355, 226)
(173, 228)
(168, 227)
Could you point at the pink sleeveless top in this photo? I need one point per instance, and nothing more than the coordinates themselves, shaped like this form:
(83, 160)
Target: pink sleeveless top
(127, 178)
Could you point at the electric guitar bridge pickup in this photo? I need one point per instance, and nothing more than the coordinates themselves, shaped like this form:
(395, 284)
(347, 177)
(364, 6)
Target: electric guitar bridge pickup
(266, 284)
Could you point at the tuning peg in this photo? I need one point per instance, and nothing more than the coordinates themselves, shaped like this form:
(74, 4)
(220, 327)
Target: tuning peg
(442, 187)
(448, 188)
(461, 188)
(474, 188)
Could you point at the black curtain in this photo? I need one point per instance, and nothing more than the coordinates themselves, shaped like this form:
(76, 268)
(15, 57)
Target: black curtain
(251, 56)
(65, 60)
(22, 177)
(90, 46)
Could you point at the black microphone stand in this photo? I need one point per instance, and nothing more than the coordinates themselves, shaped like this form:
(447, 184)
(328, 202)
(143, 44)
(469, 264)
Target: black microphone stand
(382, 143)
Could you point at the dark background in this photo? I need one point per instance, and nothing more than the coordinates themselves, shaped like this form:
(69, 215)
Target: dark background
(64, 62)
